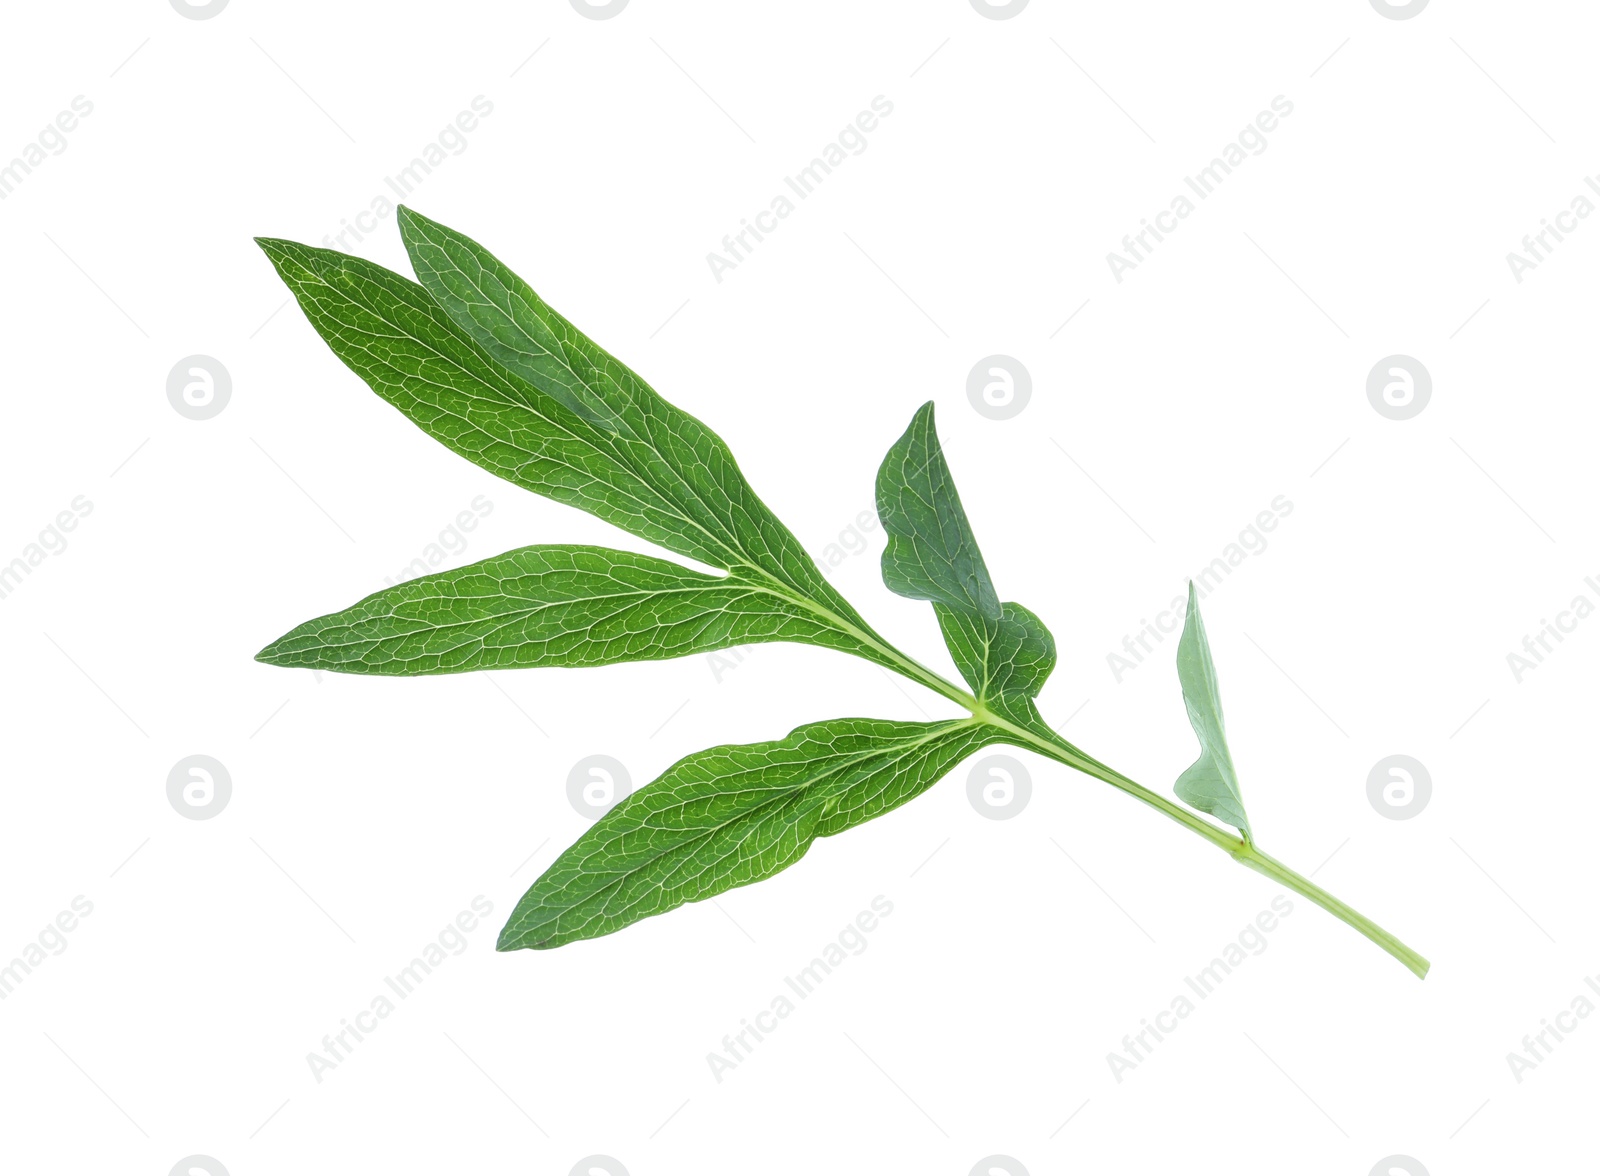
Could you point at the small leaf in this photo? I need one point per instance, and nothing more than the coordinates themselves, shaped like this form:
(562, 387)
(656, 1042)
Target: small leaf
(1210, 783)
(730, 816)
(547, 606)
(1003, 651)
(932, 554)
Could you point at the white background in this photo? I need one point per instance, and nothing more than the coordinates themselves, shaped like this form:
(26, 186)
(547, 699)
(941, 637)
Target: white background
(1222, 372)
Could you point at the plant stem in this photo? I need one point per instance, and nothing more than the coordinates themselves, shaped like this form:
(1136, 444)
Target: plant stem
(1045, 741)
(1239, 848)
(1272, 868)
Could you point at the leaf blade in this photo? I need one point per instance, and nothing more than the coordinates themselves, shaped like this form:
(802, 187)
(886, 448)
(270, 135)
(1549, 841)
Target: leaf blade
(730, 816)
(1210, 784)
(388, 331)
(668, 479)
(670, 448)
(1006, 662)
(1004, 651)
(517, 328)
(546, 605)
(932, 553)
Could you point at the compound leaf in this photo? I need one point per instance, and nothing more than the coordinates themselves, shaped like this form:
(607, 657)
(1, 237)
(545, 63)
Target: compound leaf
(480, 362)
(730, 816)
(1210, 783)
(550, 605)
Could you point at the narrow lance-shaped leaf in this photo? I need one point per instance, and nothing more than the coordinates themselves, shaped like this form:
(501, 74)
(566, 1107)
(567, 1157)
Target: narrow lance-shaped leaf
(1210, 783)
(730, 816)
(659, 474)
(547, 606)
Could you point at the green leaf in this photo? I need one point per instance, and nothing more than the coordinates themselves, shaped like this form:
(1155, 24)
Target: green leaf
(547, 606)
(730, 816)
(501, 313)
(1005, 662)
(1003, 651)
(932, 554)
(1210, 783)
(660, 474)
(477, 360)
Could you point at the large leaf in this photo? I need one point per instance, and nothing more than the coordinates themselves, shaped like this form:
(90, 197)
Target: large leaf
(661, 474)
(547, 606)
(1210, 783)
(931, 553)
(730, 816)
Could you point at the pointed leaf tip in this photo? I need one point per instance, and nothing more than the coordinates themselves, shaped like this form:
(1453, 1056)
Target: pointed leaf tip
(932, 553)
(1210, 784)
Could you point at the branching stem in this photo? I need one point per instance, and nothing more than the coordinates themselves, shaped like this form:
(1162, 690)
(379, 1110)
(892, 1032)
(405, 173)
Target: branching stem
(1046, 742)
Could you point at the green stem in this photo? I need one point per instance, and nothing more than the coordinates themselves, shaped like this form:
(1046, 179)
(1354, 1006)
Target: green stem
(1241, 849)
(1048, 743)
(1272, 868)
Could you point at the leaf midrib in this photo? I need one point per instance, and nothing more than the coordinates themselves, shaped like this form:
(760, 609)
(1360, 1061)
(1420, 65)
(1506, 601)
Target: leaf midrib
(523, 613)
